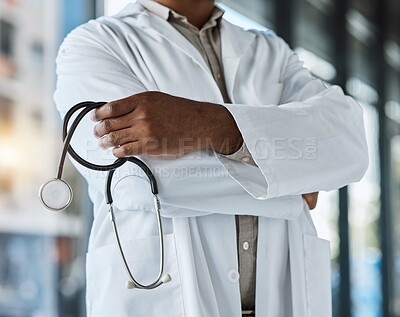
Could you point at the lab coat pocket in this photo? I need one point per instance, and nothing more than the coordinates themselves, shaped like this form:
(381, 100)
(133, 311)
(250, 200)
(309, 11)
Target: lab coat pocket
(106, 279)
(318, 276)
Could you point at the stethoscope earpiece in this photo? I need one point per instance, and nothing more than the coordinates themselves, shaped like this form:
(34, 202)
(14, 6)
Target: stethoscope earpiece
(166, 278)
(56, 194)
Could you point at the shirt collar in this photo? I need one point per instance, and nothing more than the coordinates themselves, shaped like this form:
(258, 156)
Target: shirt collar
(165, 12)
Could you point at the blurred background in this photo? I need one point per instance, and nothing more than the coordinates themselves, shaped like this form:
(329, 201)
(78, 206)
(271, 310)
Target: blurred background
(352, 43)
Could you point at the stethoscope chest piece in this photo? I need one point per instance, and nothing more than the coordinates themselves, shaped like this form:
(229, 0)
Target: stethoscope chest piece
(55, 194)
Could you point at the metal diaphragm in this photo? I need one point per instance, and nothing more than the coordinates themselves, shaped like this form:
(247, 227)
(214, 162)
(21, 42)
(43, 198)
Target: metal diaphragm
(55, 194)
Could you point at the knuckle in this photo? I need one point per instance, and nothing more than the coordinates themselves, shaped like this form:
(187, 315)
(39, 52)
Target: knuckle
(144, 102)
(144, 96)
(143, 110)
(107, 125)
(114, 138)
(147, 97)
(134, 99)
(110, 108)
(147, 131)
(126, 150)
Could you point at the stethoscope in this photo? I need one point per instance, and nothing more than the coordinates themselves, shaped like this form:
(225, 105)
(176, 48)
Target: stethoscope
(56, 194)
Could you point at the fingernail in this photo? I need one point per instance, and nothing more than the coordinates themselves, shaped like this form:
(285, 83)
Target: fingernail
(93, 115)
(116, 152)
(101, 142)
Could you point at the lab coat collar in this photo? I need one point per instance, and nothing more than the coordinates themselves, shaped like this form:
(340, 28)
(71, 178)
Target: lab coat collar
(165, 12)
(232, 36)
(156, 8)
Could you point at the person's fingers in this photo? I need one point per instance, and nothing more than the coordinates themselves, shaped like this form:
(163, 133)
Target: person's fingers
(144, 147)
(115, 109)
(128, 149)
(118, 137)
(311, 199)
(110, 125)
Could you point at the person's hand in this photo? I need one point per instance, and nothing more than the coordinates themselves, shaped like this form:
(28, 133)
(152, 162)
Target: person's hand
(311, 199)
(158, 124)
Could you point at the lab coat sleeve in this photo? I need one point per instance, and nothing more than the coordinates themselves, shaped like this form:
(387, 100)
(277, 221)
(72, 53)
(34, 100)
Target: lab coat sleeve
(312, 140)
(88, 70)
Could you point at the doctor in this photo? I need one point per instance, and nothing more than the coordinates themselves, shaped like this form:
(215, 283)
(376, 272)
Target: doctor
(237, 133)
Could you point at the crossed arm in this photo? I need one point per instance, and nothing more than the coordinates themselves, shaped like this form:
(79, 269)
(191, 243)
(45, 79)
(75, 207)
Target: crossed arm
(139, 125)
(135, 125)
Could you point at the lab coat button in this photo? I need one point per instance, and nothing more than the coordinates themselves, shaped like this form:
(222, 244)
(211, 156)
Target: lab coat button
(233, 276)
(246, 159)
(246, 245)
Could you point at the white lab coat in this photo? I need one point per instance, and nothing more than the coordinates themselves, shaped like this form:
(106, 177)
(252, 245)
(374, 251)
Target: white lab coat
(314, 140)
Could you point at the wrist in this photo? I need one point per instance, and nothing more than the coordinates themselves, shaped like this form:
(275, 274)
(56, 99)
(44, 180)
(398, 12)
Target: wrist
(218, 131)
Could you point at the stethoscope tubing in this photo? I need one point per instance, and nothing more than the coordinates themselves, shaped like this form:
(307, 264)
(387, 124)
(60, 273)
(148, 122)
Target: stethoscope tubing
(86, 107)
(138, 285)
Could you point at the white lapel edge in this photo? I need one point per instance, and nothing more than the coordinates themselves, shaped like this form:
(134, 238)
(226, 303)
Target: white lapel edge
(235, 41)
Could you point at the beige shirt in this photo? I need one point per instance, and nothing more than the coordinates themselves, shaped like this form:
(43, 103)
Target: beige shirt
(208, 42)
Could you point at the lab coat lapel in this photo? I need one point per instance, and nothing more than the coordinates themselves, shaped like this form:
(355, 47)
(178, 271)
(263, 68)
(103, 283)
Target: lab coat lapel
(234, 43)
(158, 26)
(160, 30)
